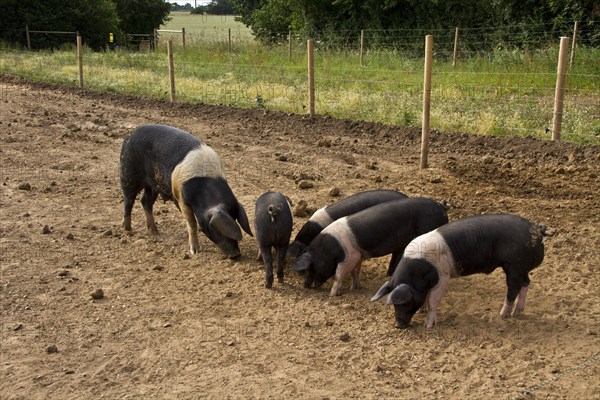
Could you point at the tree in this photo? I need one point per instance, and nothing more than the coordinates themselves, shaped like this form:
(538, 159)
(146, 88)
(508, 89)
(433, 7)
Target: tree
(142, 16)
(93, 19)
(531, 22)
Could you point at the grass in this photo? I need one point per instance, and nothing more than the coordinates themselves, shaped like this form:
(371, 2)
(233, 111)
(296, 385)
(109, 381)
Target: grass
(504, 93)
(202, 28)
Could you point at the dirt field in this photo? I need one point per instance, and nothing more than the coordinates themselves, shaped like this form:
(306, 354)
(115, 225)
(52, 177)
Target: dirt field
(173, 326)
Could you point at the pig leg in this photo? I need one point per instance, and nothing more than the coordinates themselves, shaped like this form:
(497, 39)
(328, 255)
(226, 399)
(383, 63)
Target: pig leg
(148, 199)
(396, 256)
(128, 201)
(268, 260)
(342, 270)
(281, 251)
(355, 276)
(521, 298)
(433, 300)
(425, 305)
(259, 256)
(514, 284)
(192, 228)
(520, 301)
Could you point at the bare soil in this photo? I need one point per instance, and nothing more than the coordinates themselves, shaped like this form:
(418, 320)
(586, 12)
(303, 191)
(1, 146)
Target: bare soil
(174, 326)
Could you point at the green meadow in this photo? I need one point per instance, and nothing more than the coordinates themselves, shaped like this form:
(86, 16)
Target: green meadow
(506, 92)
(206, 27)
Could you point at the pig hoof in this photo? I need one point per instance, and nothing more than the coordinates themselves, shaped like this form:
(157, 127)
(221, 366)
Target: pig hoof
(517, 312)
(280, 280)
(269, 285)
(506, 310)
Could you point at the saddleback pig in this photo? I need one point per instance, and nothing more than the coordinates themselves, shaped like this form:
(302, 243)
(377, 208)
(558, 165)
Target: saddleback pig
(166, 161)
(476, 244)
(273, 227)
(374, 232)
(326, 215)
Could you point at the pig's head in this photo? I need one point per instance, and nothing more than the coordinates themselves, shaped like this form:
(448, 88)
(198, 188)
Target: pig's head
(406, 301)
(316, 269)
(221, 228)
(408, 288)
(295, 248)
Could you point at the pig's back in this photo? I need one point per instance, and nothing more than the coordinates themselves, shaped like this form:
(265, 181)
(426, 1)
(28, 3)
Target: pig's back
(482, 243)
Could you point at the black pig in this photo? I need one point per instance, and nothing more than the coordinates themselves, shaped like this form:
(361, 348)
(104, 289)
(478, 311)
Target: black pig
(342, 208)
(166, 161)
(476, 244)
(374, 232)
(273, 226)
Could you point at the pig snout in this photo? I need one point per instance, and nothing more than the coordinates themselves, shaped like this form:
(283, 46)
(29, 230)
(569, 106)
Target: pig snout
(230, 248)
(308, 280)
(402, 317)
(401, 324)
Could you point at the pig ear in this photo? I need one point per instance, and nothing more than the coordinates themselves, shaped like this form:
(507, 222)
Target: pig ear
(400, 295)
(383, 290)
(223, 223)
(243, 220)
(302, 262)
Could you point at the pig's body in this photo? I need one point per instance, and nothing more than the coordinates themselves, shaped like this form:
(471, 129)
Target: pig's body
(323, 217)
(379, 230)
(273, 227)
(477, 244)
(166, 161)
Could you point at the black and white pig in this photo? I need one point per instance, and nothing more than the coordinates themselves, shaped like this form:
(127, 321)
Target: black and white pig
(374, 232)
(273, 227)
(342, 208)
(166, 161)
(476, 244)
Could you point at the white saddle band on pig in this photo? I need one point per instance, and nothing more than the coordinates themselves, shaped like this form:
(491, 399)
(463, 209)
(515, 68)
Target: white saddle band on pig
(432, 247)
(341, 231)
(199, 162)
(321, 217)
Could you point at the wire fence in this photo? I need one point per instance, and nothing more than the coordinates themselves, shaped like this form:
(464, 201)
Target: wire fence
(507, 90)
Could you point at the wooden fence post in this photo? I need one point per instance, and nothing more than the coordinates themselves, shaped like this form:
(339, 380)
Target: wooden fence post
(80, 60)
(575, 29)
(28, 37)
(455, 47)
(362, 45)
(171, 70)
(311, 77)
(183, 37)
(559, 93)
(229, 41)
(290, 45)
(426, 101)
(155, 39)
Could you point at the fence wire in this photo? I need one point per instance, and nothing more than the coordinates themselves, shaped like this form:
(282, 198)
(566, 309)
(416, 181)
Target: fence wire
(503, 91)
